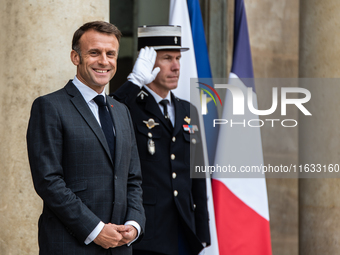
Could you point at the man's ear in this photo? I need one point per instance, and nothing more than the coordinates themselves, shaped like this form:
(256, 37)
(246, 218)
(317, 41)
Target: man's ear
(75, 58)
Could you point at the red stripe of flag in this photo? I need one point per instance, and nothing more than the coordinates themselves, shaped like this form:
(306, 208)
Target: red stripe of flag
(251, 239)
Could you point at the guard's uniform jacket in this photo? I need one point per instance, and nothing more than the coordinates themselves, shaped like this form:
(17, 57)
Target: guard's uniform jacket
(171, 199)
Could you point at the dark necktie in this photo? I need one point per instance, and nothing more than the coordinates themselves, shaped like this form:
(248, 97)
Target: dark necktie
(106, 122)
(165, 103)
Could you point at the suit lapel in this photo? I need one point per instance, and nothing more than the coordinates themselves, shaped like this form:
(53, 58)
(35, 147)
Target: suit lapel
(180, 114)
(118, 129)
(82, 107)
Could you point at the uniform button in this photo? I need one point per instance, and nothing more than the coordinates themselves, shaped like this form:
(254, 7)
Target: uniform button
(175, 193)
(174, 175)
(149, 135)
(174, 139)
(193, 140)
(194, 206)
(116, 177)
(173, 156)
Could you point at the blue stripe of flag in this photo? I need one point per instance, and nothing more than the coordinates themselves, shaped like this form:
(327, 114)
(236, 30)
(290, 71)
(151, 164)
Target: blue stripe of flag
(203, 71)
(242, 63)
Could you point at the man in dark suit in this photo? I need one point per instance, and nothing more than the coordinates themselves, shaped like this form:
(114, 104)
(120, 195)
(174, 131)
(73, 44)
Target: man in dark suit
(83, 156)
(165, 127)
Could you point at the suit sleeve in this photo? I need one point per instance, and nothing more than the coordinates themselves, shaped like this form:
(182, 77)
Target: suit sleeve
(45, 150)
(135, 209)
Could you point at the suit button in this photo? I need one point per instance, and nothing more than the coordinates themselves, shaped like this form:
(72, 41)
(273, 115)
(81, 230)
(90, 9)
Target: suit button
(173, 156)
(174, 175)
(174, 139)
(193, 140)
(175, 193)
(194, 206)
(116, 177)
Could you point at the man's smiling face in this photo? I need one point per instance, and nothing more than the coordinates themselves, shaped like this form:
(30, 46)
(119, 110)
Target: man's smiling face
(98, 61)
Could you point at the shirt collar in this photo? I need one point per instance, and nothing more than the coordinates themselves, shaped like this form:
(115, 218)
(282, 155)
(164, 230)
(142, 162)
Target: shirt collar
(87, 93)
(157, 97)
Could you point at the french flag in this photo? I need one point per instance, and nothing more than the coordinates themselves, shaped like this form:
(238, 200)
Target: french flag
(195, 64)
(241, 204)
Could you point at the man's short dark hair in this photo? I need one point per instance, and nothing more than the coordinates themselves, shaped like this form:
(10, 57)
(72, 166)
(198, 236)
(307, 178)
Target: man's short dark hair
(99, 26)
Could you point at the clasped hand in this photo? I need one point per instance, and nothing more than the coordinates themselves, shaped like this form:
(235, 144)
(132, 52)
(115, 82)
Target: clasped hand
(115, 235)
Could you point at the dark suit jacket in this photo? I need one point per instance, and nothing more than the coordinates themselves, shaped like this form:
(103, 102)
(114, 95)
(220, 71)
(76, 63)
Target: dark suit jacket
(164, 174)
(74, 174)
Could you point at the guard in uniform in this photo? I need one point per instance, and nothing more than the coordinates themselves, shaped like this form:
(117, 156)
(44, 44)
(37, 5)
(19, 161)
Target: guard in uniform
(175, 205)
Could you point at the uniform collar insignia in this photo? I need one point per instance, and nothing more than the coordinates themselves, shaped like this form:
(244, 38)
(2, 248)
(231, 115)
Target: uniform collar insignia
(142, 93)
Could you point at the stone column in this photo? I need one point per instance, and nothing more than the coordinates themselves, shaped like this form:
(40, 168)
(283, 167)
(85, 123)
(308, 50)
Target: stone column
(274, 40)
(35, 47)
(319, 139)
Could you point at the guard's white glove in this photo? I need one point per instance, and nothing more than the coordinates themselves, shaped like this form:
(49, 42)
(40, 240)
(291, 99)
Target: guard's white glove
(143, 72)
